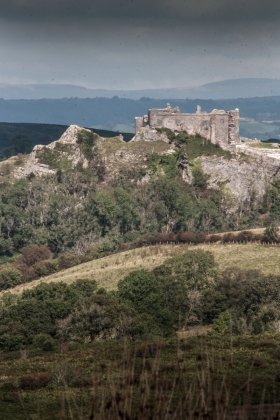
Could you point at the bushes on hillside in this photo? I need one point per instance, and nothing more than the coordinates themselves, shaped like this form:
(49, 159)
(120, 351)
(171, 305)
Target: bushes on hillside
(11, 342)
(35, 253)
(44, 342)
(170, 294)
(186, 289)
(68, 260)
(37, 380)
(9, 277)
(198, 238)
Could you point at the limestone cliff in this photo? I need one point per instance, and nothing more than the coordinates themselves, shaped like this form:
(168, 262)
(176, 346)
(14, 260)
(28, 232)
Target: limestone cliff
(246, 175)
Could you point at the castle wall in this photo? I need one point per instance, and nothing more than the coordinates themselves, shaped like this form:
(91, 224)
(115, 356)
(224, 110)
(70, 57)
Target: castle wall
(219, 127)
(233, 127)
(139, 123)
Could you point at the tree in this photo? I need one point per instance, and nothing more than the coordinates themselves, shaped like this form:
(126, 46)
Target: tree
(271, 234)
(105, 209)
(20, 143)
(142, 290)
(9, 277)
(194, 269)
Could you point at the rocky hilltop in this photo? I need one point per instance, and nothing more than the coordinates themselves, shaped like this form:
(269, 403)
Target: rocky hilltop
(243, 172)
(113, 153)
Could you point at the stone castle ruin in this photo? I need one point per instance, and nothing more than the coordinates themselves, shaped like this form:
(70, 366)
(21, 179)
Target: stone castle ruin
(218, 126)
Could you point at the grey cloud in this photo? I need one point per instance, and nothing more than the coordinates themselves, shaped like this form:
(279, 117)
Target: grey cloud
(156, 10)
(138, 43)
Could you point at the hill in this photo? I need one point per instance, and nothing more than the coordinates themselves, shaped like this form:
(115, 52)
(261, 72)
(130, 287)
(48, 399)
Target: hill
(225, 89)
(83, 196)
(109, 270)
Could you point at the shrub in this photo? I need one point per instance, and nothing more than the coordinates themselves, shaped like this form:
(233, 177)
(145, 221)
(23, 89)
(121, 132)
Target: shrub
(86, 140)
(11, 342)
(44, 342)
(187, 237)
(6, 245)
(67, 260)
(199, 178)
(49, 344)
(201, 238)
(38, 380)
(223, 324)
(9, 277)
(228, 238)
(214, 238)
(171, 237)
(28, 273)
(244, 236)
(44, 268)
(35, 253)
(270, 234)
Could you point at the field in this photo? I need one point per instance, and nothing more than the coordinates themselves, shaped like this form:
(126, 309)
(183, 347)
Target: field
(109, 270)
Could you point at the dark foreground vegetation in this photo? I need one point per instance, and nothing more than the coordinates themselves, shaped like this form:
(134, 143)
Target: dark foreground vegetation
(199, 377)
(184, 341)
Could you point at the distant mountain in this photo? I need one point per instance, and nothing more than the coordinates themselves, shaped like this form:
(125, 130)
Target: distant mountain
(226, 89)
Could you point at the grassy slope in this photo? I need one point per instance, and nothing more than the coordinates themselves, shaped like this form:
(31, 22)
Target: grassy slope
(109, 270)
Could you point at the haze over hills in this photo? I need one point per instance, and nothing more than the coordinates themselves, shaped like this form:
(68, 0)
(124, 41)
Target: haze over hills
(226, 89)
(260, 117)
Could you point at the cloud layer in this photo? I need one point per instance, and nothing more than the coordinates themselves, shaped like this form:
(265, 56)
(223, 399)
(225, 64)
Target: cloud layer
(131, 9)
(138, 43)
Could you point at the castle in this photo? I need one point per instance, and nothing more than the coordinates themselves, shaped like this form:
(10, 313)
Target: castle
(220, 127)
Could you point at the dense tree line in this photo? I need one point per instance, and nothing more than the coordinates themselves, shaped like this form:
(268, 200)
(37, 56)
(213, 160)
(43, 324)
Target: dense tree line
(187, 289)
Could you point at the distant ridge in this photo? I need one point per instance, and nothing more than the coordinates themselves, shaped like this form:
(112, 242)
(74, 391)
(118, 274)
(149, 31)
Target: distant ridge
(225, 89)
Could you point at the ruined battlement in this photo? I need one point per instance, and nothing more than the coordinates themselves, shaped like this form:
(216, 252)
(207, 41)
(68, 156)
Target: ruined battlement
(220, 127)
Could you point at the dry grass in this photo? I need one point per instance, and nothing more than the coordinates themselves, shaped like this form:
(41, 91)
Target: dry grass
(256, 231)
(109, 270)
(258, 145)
(113, 145)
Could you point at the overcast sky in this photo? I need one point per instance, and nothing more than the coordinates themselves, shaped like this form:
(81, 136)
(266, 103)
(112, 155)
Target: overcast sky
(137, 44)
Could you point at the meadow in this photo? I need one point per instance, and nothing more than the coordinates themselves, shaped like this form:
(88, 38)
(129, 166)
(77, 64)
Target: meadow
(109, 270)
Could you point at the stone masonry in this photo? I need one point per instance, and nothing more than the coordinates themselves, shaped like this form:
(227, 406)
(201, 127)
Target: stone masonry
(218, 126)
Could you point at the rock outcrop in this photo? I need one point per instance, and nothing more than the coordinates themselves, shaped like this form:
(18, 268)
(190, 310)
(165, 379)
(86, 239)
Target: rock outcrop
(64, 148)
(246, 175)
(149, 134)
